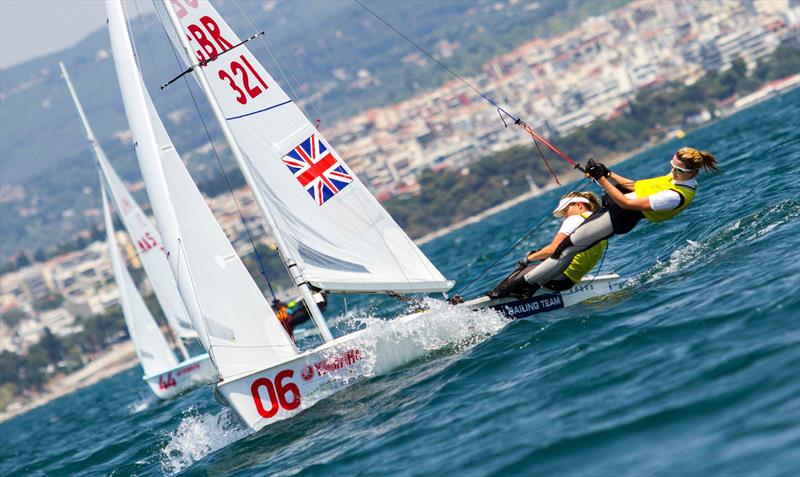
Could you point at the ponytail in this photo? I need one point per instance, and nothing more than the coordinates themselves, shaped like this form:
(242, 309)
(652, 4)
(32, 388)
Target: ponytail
(697, 159)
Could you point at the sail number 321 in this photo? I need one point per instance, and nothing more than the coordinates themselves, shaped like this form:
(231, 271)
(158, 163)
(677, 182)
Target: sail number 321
(277, 392)
(240, 75)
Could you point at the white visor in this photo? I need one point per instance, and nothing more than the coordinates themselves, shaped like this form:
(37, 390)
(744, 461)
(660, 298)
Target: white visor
(564, 203)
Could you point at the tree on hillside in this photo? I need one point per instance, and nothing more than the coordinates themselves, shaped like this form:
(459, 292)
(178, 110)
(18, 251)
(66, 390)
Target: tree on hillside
(52, 345)
(34, 367)
(9, 367)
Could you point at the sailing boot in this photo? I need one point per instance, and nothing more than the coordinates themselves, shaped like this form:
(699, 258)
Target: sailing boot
(515, 285)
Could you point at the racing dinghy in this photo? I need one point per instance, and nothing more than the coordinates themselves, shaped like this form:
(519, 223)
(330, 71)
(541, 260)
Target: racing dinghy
(545, 300)
(163, 373)
(332, 234)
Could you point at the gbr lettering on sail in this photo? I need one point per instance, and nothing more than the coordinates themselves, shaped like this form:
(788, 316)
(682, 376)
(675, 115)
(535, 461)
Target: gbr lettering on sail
(210, 38)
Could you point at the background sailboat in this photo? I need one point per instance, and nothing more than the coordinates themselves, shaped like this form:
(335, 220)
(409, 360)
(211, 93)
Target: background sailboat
(163, 373)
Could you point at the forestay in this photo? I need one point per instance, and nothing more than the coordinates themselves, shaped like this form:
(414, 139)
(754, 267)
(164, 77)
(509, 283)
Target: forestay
(151, 347)
(232, 317)
(339, 235)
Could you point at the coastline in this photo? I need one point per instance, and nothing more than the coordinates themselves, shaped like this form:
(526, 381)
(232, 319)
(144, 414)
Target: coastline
(769, 91)
(122, 356)
(116, 359)
(567, 178)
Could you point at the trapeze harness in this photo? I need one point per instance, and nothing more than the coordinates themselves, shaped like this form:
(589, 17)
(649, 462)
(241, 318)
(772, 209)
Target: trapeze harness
(581, 264)
(609, 220)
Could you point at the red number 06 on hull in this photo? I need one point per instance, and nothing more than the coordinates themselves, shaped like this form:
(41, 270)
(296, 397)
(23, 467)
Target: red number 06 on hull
(277, 394)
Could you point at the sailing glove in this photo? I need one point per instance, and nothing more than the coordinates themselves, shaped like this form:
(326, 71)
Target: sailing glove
(596, 170)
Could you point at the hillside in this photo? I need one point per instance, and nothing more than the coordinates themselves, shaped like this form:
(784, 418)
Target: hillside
(42, 146)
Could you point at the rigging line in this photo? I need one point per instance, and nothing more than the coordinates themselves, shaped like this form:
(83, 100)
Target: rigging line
(277, 60)
(500, 110)
(426, 53)
(516, 243)
(361, 200)
(261, 266)
(202, 63)
(146, 39)
(552, 172)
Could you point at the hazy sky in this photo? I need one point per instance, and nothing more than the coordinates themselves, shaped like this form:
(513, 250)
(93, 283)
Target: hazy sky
(31, 28)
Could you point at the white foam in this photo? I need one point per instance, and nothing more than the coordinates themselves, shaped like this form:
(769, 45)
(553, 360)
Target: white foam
(142, 404)
(197, 436)
(441, 327)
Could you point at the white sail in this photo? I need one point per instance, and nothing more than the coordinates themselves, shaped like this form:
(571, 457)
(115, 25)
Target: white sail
(144, 234)
(232, 317)
(333, 228)
(151, 347)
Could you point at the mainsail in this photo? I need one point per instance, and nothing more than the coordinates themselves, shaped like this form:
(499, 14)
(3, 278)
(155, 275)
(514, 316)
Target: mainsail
(232, 317)
(145, 236)
(151, 347)
(337, 233)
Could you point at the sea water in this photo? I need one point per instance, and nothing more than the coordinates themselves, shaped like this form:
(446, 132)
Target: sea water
(692, 369)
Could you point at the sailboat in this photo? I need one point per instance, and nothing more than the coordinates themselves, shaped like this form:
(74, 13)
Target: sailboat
(332, 234)
(163, 373)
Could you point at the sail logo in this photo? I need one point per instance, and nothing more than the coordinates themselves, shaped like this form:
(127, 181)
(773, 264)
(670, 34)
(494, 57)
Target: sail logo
(317, 170)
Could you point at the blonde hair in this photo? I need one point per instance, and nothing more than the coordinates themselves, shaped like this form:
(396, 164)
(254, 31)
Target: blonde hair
(594, 202)
(697, 159)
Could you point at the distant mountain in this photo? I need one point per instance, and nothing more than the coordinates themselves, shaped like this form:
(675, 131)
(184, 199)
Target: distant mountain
(322, 46)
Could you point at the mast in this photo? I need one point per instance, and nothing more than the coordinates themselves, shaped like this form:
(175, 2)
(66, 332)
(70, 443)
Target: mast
(291, 265)
(97, 152)
(142, 127)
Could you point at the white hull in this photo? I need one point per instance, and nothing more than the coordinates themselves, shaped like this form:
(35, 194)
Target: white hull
(544, 300)
(282, 391)
(191, 373)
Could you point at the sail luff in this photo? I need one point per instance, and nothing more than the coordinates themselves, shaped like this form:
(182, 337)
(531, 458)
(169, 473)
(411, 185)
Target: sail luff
(146, 148)
(263, 206)
(142, 231)
(151, 347)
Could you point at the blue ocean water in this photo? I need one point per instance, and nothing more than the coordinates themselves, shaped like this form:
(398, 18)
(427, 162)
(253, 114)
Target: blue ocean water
(694, 369)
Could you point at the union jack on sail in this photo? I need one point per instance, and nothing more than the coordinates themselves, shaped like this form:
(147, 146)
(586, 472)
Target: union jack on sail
(316, 169)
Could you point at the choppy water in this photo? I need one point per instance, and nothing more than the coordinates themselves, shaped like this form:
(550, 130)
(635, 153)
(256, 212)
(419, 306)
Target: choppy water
(694, 370)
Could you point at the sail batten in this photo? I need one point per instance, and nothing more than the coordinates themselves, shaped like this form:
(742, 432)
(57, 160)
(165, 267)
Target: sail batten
(319, 206)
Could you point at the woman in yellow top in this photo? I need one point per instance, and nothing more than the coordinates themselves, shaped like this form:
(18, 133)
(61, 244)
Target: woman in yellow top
(625, 203)
(574, 208)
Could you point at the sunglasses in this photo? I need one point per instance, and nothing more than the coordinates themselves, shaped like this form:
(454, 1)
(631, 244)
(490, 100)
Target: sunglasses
(681, 169)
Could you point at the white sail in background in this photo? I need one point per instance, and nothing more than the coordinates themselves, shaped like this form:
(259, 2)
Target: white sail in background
(151, 347)
(335, 230)
(232, 317)
(144, 234)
